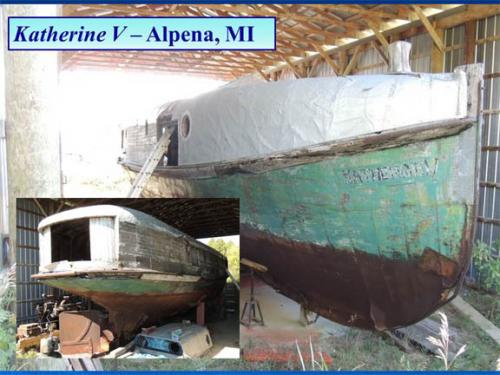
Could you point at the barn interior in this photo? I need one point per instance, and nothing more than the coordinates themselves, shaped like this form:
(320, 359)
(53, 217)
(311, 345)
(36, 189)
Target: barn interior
(68, 146)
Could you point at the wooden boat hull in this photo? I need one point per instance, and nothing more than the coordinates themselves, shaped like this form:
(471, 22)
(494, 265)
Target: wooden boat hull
(137, 298)
(135, 266)
(375, 232)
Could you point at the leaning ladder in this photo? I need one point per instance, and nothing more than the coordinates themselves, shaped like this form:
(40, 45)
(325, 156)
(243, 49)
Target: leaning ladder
(150, 164)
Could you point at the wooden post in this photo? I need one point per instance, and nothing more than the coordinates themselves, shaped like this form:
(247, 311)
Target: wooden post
(470, 34)
(437, 55)
(353, 62)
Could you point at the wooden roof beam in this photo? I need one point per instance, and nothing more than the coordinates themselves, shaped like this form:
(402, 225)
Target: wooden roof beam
(381, 52)
(378, 34)
(266, 78)
(292, 66)
(438, 41)
(327, 59)
(353, 62)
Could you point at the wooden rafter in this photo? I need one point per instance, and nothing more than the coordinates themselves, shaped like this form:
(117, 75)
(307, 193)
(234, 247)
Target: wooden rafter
(292, 66)
(438, 41)
(378, 34)
(327, 59)
(353, 61)
(261, 73)
(381, 52)
(306, 35)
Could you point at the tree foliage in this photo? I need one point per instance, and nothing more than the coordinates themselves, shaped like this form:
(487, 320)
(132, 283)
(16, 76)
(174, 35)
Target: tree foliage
(231, 251)
(488, 266)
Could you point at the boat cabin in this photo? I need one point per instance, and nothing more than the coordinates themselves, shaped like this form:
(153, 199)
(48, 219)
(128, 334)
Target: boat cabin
(107, 237)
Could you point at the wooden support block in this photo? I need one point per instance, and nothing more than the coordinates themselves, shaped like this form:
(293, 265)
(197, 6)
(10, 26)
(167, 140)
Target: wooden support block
(29, 330)
(30, 342)
(418, 333)
(474, 315)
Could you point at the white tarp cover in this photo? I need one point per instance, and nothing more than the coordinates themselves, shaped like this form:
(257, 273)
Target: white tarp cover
(262, 118)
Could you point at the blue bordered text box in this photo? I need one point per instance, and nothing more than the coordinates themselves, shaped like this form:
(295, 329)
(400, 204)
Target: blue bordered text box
(142, 33)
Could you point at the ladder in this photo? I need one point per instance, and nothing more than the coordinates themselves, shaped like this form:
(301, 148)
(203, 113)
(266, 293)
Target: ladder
(150, 164)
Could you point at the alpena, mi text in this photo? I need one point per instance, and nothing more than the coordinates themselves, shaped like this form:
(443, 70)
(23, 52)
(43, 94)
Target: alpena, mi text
(160, 34)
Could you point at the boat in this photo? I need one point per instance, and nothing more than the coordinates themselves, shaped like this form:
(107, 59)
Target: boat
(135, 266)
(357, 193)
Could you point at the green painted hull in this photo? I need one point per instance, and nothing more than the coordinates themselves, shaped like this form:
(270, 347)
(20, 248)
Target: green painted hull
(131, 301)
(374, 239)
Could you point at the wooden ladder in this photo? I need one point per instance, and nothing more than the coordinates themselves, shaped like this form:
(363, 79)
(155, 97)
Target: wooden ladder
(150, 164)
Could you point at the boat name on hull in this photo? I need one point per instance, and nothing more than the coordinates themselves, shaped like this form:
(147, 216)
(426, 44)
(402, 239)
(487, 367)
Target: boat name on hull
(404, 170)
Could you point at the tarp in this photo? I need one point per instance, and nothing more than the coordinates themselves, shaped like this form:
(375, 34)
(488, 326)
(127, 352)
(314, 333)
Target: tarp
(262, 118)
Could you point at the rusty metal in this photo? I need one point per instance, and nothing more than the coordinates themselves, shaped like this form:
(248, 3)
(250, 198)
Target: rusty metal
(252, 312)
(84, 333)
(127, 313)
(367, 291)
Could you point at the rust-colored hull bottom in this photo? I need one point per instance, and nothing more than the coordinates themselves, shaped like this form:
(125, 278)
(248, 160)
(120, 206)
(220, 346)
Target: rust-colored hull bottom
(127, 313)
(352, 287)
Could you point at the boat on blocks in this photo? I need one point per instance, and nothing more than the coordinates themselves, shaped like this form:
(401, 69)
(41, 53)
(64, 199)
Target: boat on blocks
(357, 193)
(138, 268)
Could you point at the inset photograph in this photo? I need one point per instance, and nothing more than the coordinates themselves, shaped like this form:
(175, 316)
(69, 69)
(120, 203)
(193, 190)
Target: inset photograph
(127, 278)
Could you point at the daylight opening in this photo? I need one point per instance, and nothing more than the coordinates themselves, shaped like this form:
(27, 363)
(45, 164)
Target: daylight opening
(70, 240)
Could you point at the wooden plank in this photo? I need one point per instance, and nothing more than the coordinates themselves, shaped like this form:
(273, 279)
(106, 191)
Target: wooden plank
(437, 56)
(380, 52)
(436, 38)
(266, 78)
(297, 72)
(474, 315)
(381, 38)
(256, 266)
(471, 12)
(353, 62)
(470, 31)
(30, 342)
(327, 58)
(418, 333)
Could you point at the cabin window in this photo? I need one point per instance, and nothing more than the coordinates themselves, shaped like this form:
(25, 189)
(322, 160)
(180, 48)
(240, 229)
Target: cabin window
(185, 126)
(70, 240)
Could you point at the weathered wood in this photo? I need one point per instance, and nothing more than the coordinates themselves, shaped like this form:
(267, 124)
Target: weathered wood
(401, 342)
(375, 141)
(150, 165)
(418, 333)
(474, 315)
(33, 342)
